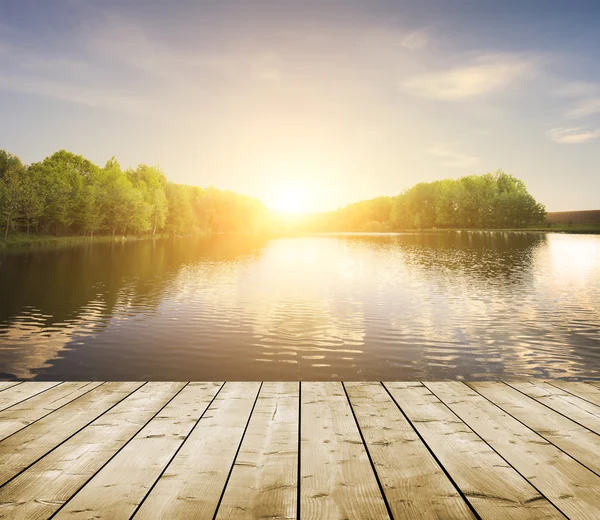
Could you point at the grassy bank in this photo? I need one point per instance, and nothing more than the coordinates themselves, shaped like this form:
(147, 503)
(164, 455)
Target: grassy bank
(591, 229)
(23, 241)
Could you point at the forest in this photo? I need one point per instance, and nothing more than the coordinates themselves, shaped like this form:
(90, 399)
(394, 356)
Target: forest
(66, 194)
(490, 201)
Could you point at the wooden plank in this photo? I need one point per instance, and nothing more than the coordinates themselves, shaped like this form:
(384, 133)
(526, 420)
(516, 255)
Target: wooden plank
(579, 442)
(41, 489)
(22, 414)
(263, 483)
(8, 384)
(25, 447)
(19, 393)
(490, 484)
(192, 484)
(414, 484)
(337, 479)
(571, 487)
(582, 390)
(120, 486)
(575, 408)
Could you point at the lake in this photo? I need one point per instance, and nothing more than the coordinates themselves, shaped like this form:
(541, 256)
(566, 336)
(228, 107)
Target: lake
(449, 305)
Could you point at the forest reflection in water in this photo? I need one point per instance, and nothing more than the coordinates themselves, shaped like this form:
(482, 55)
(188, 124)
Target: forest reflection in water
(448, 305)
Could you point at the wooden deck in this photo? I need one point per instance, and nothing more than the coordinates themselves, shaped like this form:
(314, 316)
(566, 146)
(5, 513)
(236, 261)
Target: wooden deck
(250, 450)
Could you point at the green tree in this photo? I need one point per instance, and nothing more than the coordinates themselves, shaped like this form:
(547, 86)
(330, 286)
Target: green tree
(11, 194)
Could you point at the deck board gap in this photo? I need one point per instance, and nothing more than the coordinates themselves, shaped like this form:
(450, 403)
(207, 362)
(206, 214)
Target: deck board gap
(23, 389)
(70, 436)
(237, 452)
(51, 411)
(439, 463)
(495, 451)
(597, 473)
(5, 385)
(552, 409)
(137, 508)
(299, 469)
(362, 438)
(118, 451)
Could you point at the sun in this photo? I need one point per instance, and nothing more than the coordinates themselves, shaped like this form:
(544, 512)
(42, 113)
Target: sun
(289, 198)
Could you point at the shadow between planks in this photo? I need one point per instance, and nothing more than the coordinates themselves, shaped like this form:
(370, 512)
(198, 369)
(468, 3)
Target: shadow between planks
(310, 450)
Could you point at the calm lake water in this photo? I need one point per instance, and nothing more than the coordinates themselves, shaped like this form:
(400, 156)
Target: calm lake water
(472, 305)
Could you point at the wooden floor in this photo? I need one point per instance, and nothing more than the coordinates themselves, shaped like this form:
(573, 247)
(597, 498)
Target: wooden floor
(250, 450)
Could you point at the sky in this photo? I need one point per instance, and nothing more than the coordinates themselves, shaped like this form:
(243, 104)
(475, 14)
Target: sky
(315, 103)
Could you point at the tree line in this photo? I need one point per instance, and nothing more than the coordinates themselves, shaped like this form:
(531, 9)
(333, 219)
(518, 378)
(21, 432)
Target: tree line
(66, 194)
(497, 200)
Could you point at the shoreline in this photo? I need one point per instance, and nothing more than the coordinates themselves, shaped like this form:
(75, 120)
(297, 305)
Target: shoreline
(45, 241)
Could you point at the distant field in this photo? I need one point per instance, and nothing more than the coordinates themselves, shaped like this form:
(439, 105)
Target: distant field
(574, 217)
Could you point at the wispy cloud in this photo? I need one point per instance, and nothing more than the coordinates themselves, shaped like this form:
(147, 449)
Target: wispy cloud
(451, 158)
(586, 98)
(576, 89)
(575, 135)
(74, 93)
(117, 64)
(585, 107)
(488, 73)
(416, 40)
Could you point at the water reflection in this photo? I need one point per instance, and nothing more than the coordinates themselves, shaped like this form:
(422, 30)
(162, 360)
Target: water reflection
(470, 305)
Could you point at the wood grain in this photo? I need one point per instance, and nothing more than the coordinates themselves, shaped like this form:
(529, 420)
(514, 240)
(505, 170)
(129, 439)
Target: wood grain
(414, 484)
(263, 483)
(579, 442)
(23, 414)
(571, 487)
(120, 486)
(192, 484)
(582, 390)
(18, 393)
(573, 407)
(493, 487)
(337, 479)
(25, 447)
(8, 384)
(41, 489)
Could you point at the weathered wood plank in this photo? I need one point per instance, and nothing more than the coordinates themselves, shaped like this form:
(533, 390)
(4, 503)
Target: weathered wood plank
(192, 484)
(337, 479)
(25, 447)
(582, 390)
(571, 487)
(493, 487)
(414, 484)
(19, 393)
(579, 442)
(41, 489)
(22, 414)
(120, 486)
(263, 483)
(8, 384)
(575, 408)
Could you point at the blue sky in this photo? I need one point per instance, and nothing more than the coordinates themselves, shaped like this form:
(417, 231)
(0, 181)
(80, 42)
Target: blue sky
(339, 100)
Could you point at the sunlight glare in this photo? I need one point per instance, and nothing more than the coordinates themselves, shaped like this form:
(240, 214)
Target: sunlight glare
(289, 198)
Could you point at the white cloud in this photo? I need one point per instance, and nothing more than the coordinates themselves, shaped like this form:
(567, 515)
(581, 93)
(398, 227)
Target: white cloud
(488, 73)
(416, 40)
(585, 107)
(586, 96)
(452, 158)
(576, 89)
(575, 135)
(74, 93)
